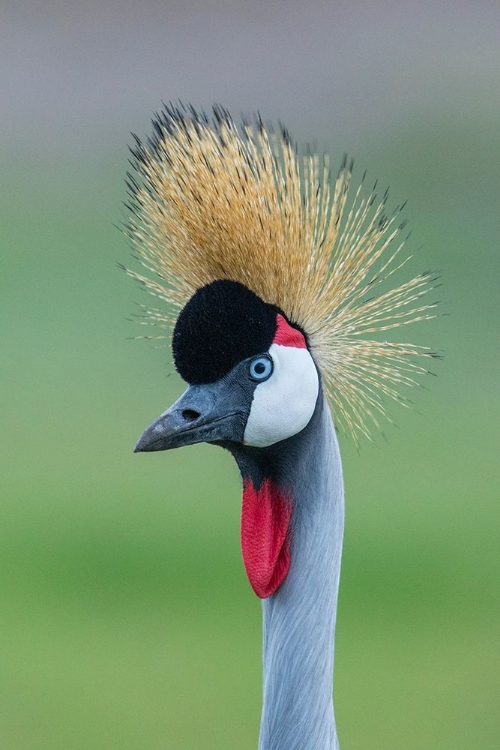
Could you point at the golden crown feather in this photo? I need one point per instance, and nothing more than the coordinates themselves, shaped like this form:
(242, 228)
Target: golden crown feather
(211, 199)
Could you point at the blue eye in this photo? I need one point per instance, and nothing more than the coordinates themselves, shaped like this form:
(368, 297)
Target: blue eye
(261, 368)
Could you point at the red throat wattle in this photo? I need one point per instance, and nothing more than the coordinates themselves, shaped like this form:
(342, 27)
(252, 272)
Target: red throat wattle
(265, 536)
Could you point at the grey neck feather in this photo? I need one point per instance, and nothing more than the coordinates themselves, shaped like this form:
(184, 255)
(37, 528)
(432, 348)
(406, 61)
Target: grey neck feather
(299, 620)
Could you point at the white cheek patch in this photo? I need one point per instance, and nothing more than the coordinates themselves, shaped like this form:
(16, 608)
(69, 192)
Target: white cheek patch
(283, 405)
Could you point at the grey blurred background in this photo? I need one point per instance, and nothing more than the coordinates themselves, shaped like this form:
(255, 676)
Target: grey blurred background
(126, 618)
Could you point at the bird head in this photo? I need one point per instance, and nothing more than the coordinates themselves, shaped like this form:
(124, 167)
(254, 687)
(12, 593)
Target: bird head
(277, 276)
(251, 378)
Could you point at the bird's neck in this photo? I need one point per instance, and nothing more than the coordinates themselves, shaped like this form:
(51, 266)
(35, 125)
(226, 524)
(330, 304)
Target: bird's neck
(299, 619)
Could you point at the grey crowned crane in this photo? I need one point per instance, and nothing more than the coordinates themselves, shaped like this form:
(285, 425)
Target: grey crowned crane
(277, 281)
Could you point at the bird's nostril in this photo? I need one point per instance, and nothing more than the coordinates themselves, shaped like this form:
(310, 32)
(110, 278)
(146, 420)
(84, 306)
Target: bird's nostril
(190, 415)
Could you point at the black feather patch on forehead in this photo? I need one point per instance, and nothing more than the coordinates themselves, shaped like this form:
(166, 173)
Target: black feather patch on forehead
(222, 324)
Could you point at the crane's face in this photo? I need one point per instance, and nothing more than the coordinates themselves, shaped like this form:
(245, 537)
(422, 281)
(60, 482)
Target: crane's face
(251, 377)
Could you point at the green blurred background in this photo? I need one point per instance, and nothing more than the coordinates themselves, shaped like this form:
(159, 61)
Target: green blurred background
(126, 618)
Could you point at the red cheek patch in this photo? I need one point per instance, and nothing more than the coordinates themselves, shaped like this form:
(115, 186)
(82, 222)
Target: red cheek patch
(288, 336)
(265, 536)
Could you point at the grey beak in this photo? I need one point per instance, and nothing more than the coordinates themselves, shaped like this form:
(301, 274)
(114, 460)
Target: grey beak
(204, 413)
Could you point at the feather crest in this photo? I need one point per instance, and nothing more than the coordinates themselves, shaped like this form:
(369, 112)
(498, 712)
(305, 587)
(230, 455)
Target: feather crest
(214, 200)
